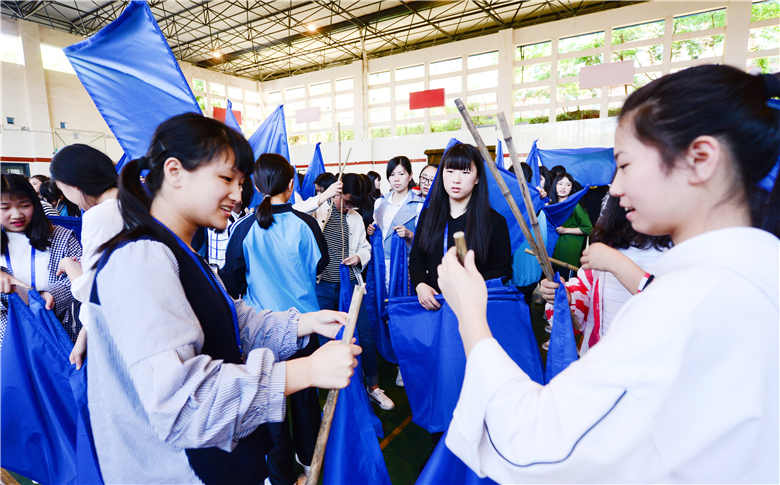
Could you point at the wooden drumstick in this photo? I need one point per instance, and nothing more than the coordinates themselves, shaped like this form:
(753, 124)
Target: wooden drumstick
(460, 245)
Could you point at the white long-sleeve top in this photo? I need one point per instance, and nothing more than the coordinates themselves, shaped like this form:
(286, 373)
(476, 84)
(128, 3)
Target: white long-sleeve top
(683, 388)
(151, 393)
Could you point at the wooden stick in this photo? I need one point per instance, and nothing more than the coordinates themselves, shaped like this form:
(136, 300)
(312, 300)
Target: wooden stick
(333, 395)
(460, 245)
(556, 261)
(537, 242)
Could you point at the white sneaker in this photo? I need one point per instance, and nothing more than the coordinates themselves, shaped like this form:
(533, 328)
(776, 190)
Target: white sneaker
(381, 399)
(399, 381)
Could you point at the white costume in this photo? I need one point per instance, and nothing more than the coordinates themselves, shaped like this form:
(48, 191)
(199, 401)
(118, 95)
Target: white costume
(683, 388)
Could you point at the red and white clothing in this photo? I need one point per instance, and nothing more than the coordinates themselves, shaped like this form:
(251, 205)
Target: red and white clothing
(597, 296)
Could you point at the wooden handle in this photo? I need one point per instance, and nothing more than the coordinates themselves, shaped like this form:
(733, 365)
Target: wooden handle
(333, 394)
(556, 261)
(460, 245)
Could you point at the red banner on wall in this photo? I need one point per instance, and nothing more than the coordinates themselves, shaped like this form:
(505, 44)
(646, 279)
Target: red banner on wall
(219, 114)
(430, 98)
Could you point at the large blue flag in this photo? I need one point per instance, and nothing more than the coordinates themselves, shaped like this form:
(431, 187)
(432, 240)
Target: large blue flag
(46, 433)
(230, 118)
(316, 168)
(375, 299)
(399, 268)
(588, 166)
(353, 454)
(271, 137)
(430, 350)
(132, 77)
(121, 163)
(563, 347)
(557, 214)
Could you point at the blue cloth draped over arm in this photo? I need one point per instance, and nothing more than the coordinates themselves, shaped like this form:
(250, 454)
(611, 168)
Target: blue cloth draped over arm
(132, 77)
(46, 433)
(376, 294)
(563, 347)
(353, 454)
(316, 168)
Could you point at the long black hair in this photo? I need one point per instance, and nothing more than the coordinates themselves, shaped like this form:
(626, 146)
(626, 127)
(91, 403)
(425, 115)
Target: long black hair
(54, 196)
(613, 229)
(723, 102)
(431, 227)
(86, 168)
(191, 138)
(272, 177)
(553, 193)
(39, 229)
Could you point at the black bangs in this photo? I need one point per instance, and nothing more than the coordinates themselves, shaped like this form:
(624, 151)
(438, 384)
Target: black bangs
(460, 156)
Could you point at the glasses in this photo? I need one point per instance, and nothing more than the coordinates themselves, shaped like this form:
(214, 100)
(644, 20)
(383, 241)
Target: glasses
(426, 180)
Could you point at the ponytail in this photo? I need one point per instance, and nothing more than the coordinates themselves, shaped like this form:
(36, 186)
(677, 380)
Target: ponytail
(272, 177)
(264, 213)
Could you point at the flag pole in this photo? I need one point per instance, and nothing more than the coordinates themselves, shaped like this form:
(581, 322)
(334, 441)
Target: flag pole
(333, 395)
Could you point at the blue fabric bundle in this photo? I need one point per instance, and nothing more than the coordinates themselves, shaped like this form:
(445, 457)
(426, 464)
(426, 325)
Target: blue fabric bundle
(431, 356)
(399, 268)
(588, 166)
(376, 294)
(46, 434)
(70, 223)
(563, 347)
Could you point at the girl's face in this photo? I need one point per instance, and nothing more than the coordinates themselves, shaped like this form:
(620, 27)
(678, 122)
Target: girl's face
(426, 179)
(378, 184)
(15, 212)
(653, 199)
(210, 192)
(36, 184)
(74, 195)
(541, 180)
(460, 183)
(563, 188)
(399, 179)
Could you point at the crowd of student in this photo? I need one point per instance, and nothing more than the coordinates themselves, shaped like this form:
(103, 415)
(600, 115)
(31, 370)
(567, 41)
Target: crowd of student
(200, 315)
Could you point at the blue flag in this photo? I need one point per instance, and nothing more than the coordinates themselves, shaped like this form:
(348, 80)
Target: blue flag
(430, 350)
(444, 467)
(563, 347)
(271, 137)
(353, 454)
(230, 118)
(70, 223)
(132, 77)
(376, 296)
(533, 161)
(46, 433)
(588, 166)
(121, 163)
(500, 156)
(557, 214)
(316, 168)
(399, 268)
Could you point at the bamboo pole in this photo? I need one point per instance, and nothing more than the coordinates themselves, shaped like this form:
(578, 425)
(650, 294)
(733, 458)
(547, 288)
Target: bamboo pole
(556, 261)
(537, 242)
(460, 245)
(333, 395)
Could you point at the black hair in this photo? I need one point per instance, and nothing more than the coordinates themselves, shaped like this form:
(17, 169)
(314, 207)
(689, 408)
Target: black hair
(431, 227)
(272, 177)
(543, 172)
(54, 196)
(720, 101)
(553, 193)
(39, 229)
(89, 170)
(373, 177)
(435, 168)
(325, 180)
(355, 187)
(613, 229)
(396, 161)
(191, 138)
(557, 171)
(527, 173)
(40, 178)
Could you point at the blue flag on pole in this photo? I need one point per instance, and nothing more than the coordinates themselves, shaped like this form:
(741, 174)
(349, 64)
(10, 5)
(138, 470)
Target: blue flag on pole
(557, 214)
(563, 347)
(353, 454)
(230, 118)
(588, 166)
(376, 294)
(46, 433)
(500, 156)
(430, 350)
(271, 137)
(132, 77)
(316, 168)
(121, 163)
(533, 161)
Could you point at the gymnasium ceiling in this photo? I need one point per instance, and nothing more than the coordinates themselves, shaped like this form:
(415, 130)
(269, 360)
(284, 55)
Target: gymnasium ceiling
(266, 40)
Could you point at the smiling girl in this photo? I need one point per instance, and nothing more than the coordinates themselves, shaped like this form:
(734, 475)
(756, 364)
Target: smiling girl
(574, 230)
(32, 249)
(684, 387)
(180, 374)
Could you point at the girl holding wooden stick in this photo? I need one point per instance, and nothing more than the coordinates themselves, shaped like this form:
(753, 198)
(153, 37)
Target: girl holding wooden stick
(685, 385)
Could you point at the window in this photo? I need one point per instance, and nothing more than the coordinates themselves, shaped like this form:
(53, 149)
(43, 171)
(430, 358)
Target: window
(532, 96)
(485, 59)
(11, 49)
(578, 112)
(533, 73)
(571, 66)
(412, 72)
(533, 51)
(345, 84)
(322, 137)
(238, 106)
(402, 91)
(252, 97)
(345, 117)
(274, 98)
(201, 99)
(379, 78)
(581, 42)
(413, 129)
(199, 85)
(764, 38)
(378, 95)
(446, 67)
(381, 132)
(294, 93)
(640, 79)
(642, 56)
(631, 33)
(700, 21)
(379, 115)
(54, 59)
(296, 139)
(698, 48)
(483, 106)
(402, 112)
(445, 125)
(451, 85)
(217, 88)
(766, 65)
(218, 102)
(532, 117)
(319, 88)
(572, 92)
(345, 101)
(253, 111)
(482, 80)
(769, 9)
(235, 93)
